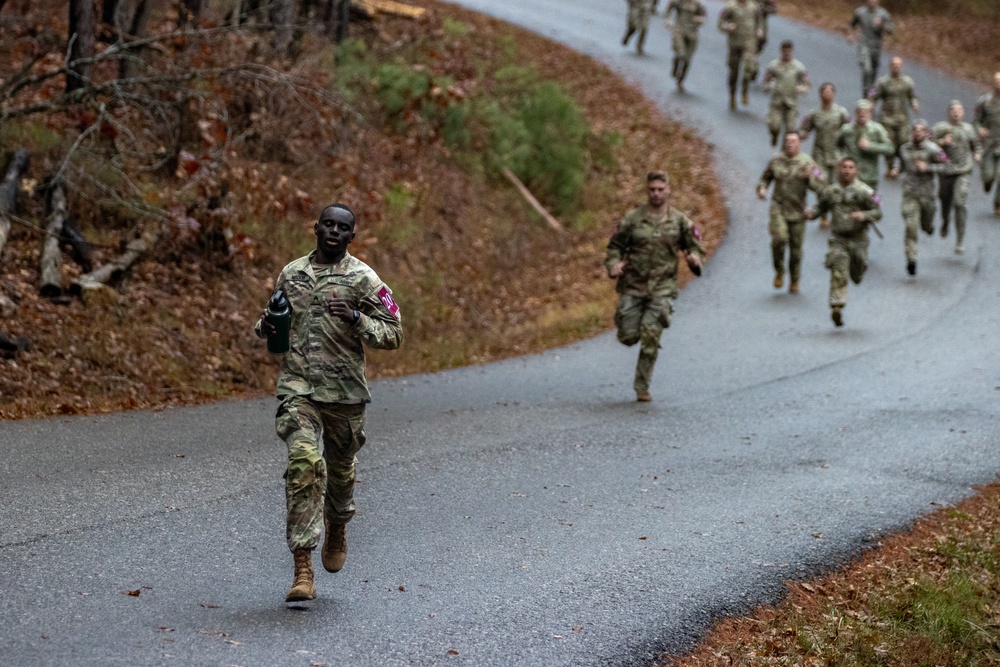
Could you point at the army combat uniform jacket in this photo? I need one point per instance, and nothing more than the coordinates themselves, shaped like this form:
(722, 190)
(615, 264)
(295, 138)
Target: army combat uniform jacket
(872, 26)
(987, 115)
(649, 245)
(840, 201)
(896, 97)
(746, 18)
(793, 177)
(326, 360)
(866, 158)
(963, 147)
(920, 184)
(825, 123)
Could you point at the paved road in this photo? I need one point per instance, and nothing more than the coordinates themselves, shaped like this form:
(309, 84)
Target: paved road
(529, 512)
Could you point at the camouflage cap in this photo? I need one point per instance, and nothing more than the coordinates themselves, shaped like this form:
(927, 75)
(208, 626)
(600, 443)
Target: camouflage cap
(864, 104)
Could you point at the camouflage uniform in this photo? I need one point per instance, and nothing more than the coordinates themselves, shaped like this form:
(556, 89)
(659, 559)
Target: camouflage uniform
(847, 256)
(784, 109)
(767, 7)
(897, 97)
(685, 33)
(918, 190)
(870, 42)
(826, 123)
(953, 185)
(867, 158)
(793, 177)
(639, 12)
(987, 116)
(649, 244)
(322, 389)
(742, 41)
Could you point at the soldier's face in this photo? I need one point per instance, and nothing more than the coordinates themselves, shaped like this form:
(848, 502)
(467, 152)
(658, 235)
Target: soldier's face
(996, 82)
(826, 93)
(956, 112)
(792, 145)
(786, 55)
(872, 4)
(847, 171)
(896, 66)
(918, 133)
(862, 115)
(657, 192)
(334, 232)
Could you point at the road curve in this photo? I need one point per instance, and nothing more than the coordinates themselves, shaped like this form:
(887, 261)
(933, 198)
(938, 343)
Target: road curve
(529, 512)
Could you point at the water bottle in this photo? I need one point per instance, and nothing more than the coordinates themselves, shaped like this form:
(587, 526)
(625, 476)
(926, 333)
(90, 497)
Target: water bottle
(279, 314)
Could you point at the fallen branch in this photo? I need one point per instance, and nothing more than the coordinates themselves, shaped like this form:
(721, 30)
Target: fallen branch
(535, 204)
(371, 8)
(50, 275)
(8, 191)
(100, 279)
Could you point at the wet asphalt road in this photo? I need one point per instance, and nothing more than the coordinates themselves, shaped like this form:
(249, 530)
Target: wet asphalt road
(529, 512)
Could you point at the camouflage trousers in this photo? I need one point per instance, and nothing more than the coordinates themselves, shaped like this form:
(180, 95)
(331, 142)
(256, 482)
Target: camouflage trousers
(899, 134)
(745, 57)
(868, 61)
(684, 44)
(642, 320)
(990, 170)
(788, 234)
(917, 212)
(322, 440)
(953, 191)
(847, 257)
(782, 114)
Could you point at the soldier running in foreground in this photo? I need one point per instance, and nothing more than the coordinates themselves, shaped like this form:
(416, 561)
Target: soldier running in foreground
(961, 144)
(786, 78)
(689, 15)
(639, 12)
(740, 20)
(338, 306)
(826, 122)
(642, 255)
(895, 95)
(922, 159)
(986, 120)
(869, 24)
(854, 207)
(863, 141)
(793, 173)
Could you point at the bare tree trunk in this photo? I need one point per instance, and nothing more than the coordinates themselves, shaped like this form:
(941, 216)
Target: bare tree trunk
(83, 254)
(190, 13)
(8, 191)
(50, 276)
(131, 25)
(81, 35)
(283, 15)
(343, 20)
(112, 272)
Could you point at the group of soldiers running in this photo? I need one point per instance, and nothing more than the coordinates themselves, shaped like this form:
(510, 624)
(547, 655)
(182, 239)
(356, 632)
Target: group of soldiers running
(936, 162)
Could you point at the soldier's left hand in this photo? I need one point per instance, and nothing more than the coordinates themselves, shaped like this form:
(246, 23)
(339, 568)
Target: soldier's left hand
(857, 216)
(340, 308)
(921, 166)
(694, 263)
(761, 192)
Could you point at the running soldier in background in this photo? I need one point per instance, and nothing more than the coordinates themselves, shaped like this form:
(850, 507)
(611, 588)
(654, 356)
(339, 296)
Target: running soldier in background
(863, 141)
(642, 256)
(787, 78)
(922, 159)
(639, 12)
(767, 7)
(854, 207)
(826, 122)
(740, 20)
(986, 120)
(960, 143)
(896, 97)
(793, 173)
(869, 24)
(688, 17)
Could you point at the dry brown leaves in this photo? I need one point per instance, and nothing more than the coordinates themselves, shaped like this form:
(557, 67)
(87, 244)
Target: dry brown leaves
(479, 279)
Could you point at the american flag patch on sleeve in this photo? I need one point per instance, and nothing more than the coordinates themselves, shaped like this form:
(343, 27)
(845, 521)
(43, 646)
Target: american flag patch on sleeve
(385, 296)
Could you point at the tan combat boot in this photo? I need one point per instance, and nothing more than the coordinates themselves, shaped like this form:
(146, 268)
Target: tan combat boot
(303, 587)
(779, 280)
(643, 395)
(793, 288)
(334, 546)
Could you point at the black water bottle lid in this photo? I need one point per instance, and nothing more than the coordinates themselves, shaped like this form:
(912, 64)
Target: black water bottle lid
(278, 301)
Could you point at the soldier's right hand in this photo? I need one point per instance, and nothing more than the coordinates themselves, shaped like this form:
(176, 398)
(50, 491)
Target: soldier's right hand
(266, 327)
(857, 216)
(761, 192)
(863, 143)
(616, 269)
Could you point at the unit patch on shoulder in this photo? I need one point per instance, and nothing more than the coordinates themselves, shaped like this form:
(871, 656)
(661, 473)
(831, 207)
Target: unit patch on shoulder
(385, 296)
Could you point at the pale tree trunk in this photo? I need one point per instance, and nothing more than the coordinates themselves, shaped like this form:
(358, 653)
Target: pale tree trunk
(50, 276)
(283, 15)
(81, 34)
